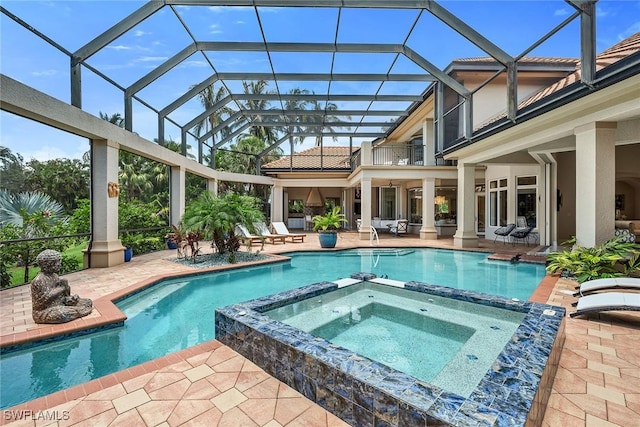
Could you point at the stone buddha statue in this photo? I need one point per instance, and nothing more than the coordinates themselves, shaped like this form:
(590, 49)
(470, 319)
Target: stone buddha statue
(51, 295)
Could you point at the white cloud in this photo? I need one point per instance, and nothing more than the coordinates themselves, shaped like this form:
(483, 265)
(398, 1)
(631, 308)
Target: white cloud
(214, 29)
(152, 58)
(44, 73)
(190, 64)
(601, 12)
(240, 22)
(119, 47)
(140, 33)
(632, 29)
(48, 152)
(561, 12)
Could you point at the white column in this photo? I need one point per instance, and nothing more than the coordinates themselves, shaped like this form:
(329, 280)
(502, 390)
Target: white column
(365, 206)
(429, 142)
(277, 203)
(105, 249)
(366, 155)
(177, 194)
(428, 230)
(466, 236)
(595, 183)
(212, 186)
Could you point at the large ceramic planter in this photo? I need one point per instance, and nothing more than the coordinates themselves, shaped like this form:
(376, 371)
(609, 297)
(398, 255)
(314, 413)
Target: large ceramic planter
(328, 239)
(128, 254)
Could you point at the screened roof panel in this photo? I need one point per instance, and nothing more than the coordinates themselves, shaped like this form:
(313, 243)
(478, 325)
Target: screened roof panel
(363, 62)
(159, 51)
(239, 62)
(360, 25)
(301, 62)
(218, 23)
(303, 24)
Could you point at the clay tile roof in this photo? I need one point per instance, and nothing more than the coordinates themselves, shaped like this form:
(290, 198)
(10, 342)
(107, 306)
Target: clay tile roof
(610, 56)
(332, 158)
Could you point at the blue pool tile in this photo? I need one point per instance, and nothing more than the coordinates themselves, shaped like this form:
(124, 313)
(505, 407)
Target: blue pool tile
(362, 417)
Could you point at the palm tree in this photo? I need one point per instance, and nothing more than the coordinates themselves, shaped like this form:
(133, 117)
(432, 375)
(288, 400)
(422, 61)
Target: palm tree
(266, 133)
(215, 217)
(209, 97)
(318, 125)
(116, 118)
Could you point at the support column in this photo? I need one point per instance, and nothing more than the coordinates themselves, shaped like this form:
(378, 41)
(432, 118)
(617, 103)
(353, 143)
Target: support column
(365, 207)
(429, 143)
(466, 236)
(105, 248)
(177, 193)
(277, 203)
(428, 230)
(212, 186)
(595, 183)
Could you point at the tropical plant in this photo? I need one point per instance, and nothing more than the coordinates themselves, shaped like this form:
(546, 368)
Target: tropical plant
(66, 180)
(264, 133)
(330, 221)
(215, 217)
(30, 216)
(319, 123)
(116, 118)
(613, 258)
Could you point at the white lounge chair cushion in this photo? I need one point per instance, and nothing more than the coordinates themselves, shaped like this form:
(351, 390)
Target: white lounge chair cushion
(608, 283)
(608, 301)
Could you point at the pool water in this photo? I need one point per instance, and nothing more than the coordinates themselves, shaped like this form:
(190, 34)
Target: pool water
(178, 313)
(431, 338)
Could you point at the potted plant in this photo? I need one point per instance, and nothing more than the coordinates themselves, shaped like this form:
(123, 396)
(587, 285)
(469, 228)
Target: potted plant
(327, 226)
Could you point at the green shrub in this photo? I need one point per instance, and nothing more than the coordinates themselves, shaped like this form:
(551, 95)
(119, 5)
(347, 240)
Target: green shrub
(69, 264)
(613, 258)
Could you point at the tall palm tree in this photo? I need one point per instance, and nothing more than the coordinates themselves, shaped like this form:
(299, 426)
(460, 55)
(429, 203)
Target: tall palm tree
(266, 133)
(293, 124)
(317, 122)
(209, 97)
(116, 118)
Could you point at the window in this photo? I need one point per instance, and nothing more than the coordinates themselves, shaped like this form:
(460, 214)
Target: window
(415, 205)
(388, 202)
(526, 197)
(296, 206)
(498, 203)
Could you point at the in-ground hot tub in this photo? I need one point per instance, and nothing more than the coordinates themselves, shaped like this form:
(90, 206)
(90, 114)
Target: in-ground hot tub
(403, 353)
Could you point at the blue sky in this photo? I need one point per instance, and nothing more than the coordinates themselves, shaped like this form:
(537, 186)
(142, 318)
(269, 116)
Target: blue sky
(512, 25)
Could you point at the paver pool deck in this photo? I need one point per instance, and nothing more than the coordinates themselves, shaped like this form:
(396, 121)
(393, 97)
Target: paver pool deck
(597, 383)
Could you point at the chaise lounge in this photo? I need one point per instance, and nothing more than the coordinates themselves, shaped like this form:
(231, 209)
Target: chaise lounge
(247, 238)
(262, 228)
(610, 301)
(281, 229)
(595, 285)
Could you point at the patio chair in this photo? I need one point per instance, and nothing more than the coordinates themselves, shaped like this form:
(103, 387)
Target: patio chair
(247, 238)
(610, 301)
(504, 232)
(281, 229)
(607, 284)
(262, 228)
(521, 234)
(399, 227)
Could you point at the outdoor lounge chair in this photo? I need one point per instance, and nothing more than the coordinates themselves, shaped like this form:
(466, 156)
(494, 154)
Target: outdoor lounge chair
(607, 284)
(246, 237)
(398, 227)
(609, 301)
(262, 228)
(504, 232)
(281, 229)
(521, 234)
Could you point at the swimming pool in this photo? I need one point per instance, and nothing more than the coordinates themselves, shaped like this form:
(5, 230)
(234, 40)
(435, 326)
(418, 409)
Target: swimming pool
(512, 390)
(176, 314)
(429, 337)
